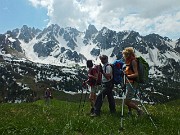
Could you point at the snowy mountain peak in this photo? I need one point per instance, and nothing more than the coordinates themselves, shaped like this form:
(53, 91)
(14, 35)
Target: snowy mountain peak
(69, 47)
(57, 45)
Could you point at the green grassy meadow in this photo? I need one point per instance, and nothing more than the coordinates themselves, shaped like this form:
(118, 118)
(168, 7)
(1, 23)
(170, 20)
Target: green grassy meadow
(65, 118)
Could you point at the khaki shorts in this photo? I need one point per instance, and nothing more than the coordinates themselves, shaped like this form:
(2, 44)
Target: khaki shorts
(131, 90)
(93, 89)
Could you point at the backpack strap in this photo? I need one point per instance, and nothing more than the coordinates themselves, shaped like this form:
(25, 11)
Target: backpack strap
(131, 68)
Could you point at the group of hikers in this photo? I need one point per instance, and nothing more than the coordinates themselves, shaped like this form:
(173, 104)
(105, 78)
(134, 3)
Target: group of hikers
(107, 85)
(105, 73)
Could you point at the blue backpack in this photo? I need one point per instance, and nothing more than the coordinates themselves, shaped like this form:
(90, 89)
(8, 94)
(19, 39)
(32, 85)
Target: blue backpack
(117, 68)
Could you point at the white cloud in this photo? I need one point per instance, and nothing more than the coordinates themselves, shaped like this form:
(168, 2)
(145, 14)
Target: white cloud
(145, 16)
(44, 3)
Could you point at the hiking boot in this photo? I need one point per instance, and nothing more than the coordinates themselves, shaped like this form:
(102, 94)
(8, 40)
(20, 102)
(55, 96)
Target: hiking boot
(129, 113)
(140, 112)
(92, 111)
(94, 115)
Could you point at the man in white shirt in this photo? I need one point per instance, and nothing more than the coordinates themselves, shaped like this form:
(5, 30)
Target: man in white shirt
(107, 84)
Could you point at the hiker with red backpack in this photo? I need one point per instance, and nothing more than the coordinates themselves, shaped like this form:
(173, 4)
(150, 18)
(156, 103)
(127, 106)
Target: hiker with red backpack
(131, 72)
(92, 83)
(107, 86)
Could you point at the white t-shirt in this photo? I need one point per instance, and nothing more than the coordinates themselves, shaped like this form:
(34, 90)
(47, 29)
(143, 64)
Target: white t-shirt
(108, 70)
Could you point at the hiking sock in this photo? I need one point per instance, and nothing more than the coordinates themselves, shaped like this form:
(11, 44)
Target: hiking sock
(139, 112)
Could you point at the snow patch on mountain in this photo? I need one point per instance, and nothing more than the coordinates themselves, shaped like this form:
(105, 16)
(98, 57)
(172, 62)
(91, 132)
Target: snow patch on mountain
(29, 51)
(172, 55)
(62, 42)
(173, 44)
(11, 39)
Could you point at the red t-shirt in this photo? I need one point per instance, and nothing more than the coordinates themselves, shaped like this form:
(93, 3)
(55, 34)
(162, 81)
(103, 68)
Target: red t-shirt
(92, 81)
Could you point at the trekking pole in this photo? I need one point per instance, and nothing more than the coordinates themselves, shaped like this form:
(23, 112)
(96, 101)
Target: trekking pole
(123, 86)
(143, 105)
(84, 99)
(84, 85)
(80, 101)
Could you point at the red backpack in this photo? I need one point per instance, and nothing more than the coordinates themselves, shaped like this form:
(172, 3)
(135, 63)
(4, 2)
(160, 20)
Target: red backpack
(99, 79)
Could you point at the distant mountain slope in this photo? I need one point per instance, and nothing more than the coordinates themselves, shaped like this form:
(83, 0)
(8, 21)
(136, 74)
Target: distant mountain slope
(69, 47)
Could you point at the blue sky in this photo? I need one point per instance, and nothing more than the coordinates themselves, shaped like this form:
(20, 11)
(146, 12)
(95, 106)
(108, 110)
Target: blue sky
(16, 13)
(144, 16)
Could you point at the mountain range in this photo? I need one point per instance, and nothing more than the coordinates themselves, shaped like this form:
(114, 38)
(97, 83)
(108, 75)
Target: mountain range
(67, 47)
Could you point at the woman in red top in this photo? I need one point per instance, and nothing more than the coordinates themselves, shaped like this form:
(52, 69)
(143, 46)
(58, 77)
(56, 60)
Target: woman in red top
(92, 80)
(131, 72)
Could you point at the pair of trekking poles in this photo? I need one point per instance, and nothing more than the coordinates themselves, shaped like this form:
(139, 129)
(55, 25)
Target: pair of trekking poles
(84, 88)
(124, 93)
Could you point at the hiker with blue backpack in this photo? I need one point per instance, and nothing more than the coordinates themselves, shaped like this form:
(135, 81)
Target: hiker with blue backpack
(107, 87)
(131, 72)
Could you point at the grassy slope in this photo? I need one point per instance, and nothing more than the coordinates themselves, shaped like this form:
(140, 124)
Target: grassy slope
(62, 118)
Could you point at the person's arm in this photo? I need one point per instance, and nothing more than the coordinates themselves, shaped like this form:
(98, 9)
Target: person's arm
(134, 66)
(94, 75)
